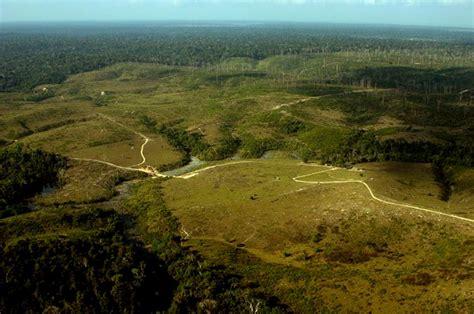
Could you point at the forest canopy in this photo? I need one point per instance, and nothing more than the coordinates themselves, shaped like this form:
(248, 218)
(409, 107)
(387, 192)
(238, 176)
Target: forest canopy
(44, 54)
(24, 172)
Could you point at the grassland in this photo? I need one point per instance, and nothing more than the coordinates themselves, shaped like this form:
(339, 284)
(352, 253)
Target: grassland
(237, 98)
(329, 247)
(413, 183)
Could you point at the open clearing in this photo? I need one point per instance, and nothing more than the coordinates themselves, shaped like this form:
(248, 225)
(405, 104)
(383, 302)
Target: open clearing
(248, 187)
(256, 218)
(344, 240)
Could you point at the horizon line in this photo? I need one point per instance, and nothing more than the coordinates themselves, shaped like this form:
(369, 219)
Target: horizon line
(229, 21)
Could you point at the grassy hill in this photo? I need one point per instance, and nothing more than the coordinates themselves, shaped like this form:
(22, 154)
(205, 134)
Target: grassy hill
(274, 227)
(256, 106)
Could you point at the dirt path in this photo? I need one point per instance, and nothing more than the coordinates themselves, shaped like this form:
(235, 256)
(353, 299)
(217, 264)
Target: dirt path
(372, 195)
(151, 171)
(371, 90)
(142, 153)
(146, 138)
(148, 170)
(196, 172)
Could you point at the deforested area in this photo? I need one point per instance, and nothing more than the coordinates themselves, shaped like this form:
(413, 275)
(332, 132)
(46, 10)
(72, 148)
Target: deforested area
(214, 166)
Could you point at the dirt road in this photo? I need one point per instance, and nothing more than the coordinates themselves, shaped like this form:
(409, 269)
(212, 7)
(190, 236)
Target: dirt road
(146, 138)
(327, 95)
(372, 195)
(151, 171)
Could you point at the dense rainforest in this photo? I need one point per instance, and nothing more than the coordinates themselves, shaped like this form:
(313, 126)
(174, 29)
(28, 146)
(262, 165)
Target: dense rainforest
(25, 172)
(38, 54)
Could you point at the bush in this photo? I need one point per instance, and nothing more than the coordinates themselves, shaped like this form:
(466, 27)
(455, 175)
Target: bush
(418, 279)
(444, 176)
(40, 96)
(255, 148)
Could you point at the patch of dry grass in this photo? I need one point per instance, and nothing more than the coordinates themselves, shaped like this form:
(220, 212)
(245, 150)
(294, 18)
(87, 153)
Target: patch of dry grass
(330, 243)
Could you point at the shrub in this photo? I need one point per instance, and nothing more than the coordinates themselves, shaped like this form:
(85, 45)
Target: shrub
(418, 279)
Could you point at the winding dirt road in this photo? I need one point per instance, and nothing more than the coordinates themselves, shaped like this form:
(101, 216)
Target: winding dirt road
(298, 179)
(109, 164)
(148, 170)
(299, 101)
(372, 195)
(146, 138)
(196, 172)
(154, 173)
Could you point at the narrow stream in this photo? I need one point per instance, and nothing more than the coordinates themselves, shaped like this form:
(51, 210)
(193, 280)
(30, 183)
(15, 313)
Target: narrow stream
(196, 162)
(48, 189)
(192, 165)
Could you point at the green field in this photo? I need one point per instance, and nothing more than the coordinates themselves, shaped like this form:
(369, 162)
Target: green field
(253, 105)
(275, 216)
(316, 245)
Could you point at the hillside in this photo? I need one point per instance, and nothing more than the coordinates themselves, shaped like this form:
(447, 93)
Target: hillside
(314, 180)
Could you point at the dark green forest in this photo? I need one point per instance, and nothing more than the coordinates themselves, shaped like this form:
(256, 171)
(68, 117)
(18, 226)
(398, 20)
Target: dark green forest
(25, 172)
(426, 81)
(361, 146)
(38, 54)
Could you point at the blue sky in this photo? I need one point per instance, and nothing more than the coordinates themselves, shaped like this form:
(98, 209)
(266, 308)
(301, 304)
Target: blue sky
(407, 12)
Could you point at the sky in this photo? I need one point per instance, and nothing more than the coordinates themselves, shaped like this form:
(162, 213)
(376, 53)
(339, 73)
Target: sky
(457, 13)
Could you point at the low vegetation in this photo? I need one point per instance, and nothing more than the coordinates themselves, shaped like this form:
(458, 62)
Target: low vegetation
(316, 245)
(444, 176)
(93, 234)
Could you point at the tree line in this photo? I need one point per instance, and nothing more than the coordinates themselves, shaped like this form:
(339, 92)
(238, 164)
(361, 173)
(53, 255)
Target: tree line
(362, 146)
(193, 143)
(34, 55)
